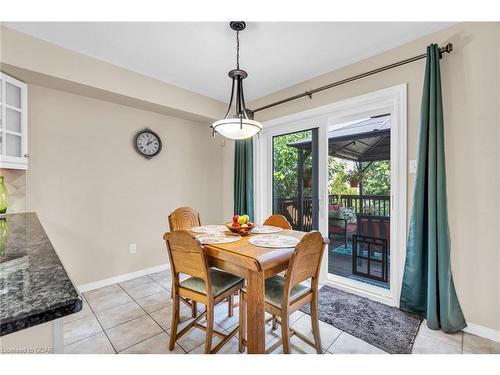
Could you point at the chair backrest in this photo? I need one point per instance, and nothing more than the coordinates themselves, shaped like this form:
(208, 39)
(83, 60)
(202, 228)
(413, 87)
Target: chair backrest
(184, 218)
(373, 226)
(187, 255)
(305, 262)
(278, 221)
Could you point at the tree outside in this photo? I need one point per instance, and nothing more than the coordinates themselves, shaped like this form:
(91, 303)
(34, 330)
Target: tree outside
(337, 177)
(377, 177)
(285, 164)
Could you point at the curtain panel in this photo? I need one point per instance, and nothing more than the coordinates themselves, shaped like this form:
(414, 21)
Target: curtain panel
(428, 289)
(243, 177)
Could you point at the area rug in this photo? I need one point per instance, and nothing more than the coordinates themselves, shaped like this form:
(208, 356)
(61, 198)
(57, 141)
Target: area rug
(385, 327)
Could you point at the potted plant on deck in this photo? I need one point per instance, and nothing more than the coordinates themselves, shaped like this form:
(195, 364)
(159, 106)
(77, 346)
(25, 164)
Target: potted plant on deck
(355, 176)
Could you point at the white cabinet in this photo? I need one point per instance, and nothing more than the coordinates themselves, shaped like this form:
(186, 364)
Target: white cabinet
(13, 123)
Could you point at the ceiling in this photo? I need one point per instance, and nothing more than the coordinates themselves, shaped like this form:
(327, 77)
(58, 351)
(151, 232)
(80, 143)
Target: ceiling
(197, 56)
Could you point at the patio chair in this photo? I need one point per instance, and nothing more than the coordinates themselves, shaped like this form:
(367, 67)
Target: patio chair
(373, 226)
(339, 226)
(372, 236)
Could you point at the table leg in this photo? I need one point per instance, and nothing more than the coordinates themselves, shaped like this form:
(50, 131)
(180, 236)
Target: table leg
(255, 313)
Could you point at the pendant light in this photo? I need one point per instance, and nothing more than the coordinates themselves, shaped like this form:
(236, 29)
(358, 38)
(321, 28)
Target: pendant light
(240, 125)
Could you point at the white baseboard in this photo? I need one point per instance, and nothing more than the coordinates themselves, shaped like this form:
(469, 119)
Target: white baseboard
(118, 279)
(58, 336)
(487, 333)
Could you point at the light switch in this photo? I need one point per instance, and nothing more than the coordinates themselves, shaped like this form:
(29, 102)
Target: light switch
(132, 248)
(412, 166)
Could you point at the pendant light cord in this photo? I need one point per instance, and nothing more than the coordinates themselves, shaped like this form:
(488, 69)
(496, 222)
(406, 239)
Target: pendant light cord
(237, 49)
(238, 85)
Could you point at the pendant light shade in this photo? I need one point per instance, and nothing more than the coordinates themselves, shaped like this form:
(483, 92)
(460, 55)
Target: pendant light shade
(235, 128)
(241, 125)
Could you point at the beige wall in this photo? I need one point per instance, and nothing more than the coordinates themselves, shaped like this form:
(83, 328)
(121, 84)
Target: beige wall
(95, 195)
(471, 82)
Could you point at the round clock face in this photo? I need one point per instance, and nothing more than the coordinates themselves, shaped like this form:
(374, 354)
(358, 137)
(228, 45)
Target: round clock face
(147, 143)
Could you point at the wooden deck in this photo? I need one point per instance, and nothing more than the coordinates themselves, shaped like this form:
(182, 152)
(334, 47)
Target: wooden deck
(341, 265)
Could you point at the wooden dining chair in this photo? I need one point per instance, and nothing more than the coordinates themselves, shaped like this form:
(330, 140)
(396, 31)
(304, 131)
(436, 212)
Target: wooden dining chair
(281, 222)
(285, 295)
(205, 285)
(278, 221)
(184, 218)
(187, 218)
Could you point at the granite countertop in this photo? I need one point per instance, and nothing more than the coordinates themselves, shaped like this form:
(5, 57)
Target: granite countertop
(34, 286)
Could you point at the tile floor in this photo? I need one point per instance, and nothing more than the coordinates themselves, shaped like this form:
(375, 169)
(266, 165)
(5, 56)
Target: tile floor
(134, 317)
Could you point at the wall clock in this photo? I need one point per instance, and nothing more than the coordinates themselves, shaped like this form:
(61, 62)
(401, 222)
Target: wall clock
(147, 143)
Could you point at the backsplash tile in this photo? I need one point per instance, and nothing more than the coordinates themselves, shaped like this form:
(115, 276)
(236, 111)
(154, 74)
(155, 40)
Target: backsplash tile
(15, 180)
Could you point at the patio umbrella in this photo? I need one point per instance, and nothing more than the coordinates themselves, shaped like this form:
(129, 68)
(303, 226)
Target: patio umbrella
(363, 141)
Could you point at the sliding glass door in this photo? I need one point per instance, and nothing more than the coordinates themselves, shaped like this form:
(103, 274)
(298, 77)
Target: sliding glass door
(358, 170)
(359, 195)
(295, 178)
(341, 169)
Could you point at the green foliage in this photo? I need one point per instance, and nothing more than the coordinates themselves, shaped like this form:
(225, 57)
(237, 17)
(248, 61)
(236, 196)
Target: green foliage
(356, 175)
(378, 178)
(285, 164)
(337, 177)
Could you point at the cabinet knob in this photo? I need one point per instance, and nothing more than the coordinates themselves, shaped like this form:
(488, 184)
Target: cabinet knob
(26, 155)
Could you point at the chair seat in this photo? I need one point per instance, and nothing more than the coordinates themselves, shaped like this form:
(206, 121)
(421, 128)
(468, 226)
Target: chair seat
(275, 286)
(221, 281)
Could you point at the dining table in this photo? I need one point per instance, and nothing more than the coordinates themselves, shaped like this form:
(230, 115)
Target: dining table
(255, 264)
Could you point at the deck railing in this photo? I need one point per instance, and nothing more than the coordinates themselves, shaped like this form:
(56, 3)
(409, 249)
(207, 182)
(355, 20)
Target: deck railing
(301, 217)
(378, 205)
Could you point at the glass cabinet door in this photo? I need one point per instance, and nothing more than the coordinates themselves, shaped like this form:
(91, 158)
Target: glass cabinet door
(13, 123)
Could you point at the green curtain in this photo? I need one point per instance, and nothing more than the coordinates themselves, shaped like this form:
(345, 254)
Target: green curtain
(428, 288)
(243, 177)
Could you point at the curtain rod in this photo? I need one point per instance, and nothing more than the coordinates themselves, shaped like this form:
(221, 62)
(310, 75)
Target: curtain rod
(446, 49)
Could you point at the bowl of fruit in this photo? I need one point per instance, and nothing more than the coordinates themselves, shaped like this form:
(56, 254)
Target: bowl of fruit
(241, 225)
